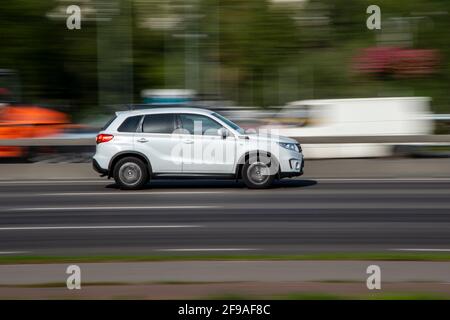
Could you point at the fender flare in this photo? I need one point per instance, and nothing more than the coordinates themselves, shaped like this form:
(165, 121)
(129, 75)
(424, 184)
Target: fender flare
(122, 154)
(247, 154)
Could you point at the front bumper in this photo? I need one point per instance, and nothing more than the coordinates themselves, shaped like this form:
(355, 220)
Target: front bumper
(294, 172)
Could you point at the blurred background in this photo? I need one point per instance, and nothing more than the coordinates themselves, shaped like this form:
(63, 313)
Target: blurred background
(255, 61)
(371, 107)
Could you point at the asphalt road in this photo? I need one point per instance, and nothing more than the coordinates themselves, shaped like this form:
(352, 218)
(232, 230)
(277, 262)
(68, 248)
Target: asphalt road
(179, 217)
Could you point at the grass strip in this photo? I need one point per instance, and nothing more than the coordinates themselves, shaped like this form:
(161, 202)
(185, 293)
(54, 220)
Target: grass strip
(353, 256)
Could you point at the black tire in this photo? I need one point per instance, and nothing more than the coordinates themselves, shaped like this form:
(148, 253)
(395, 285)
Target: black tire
(131, 173)
(259, 171)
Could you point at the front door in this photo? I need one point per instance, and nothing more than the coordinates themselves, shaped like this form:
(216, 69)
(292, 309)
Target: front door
(204, 149)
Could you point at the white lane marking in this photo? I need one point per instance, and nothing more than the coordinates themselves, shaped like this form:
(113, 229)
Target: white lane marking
(50, 182)
(98, 227)
(355, 180)
(208, 249)
(13, 252)
(288, 191)
(106, 208)
(125, 193)
(342, 180)
(252, 192)
(249, 208)
(421, 249)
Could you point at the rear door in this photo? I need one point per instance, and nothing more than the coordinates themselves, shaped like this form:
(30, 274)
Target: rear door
(156, 139)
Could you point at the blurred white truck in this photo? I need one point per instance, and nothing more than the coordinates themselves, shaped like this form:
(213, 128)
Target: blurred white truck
(353, 117)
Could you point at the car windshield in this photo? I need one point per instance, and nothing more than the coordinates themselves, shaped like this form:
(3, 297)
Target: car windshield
(230, 123)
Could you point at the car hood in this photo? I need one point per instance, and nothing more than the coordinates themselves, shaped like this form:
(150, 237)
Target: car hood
(271, 138)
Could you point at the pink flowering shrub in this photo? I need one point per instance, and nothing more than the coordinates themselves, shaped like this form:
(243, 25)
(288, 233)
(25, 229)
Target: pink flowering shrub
(396, 61)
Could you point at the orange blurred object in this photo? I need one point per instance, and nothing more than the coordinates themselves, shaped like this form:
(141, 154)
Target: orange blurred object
(21, 122)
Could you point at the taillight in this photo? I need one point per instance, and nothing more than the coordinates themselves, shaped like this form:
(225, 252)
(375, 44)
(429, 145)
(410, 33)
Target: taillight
(103, 138)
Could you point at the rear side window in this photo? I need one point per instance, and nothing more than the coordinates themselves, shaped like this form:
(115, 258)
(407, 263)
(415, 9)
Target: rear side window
(130, 124)
(159, 123)
(107, 124)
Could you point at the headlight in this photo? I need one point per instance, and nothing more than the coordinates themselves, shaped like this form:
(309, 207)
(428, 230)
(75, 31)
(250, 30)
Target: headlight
(290, 146)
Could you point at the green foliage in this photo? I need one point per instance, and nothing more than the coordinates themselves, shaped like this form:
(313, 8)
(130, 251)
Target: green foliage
(253, 52)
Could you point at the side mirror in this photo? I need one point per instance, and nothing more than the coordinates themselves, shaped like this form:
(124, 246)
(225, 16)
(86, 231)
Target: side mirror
(223, 133)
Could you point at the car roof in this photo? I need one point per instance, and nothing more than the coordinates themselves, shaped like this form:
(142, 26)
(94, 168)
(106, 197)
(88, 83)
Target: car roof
(175, 110)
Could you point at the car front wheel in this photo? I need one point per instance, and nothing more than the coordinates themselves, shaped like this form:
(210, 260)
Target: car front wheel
(130, 173)
(259, 173)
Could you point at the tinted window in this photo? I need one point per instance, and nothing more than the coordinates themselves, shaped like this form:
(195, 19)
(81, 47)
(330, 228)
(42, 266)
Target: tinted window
(130, 124)
(107, 124)
(199, 125)
(158, 123)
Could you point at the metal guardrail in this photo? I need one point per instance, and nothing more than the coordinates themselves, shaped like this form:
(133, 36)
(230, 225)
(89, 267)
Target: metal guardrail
(400, 139)
(41, 142)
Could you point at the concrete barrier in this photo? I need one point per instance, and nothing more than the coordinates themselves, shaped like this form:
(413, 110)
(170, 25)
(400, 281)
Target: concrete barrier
(400, 139)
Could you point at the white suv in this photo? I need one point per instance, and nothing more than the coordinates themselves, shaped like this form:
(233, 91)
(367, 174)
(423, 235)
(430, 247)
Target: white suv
(136, 146)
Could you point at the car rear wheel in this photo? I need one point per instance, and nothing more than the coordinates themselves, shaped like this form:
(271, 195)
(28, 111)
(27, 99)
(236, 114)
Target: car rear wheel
(131, 173)
(259, 172)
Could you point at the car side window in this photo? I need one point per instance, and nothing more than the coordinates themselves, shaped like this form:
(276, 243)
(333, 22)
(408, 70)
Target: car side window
(159, 123)
(130, 124)
(199, 125)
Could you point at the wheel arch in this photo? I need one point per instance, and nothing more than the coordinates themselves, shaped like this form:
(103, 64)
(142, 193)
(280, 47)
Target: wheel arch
(243, 159)
(124, 154)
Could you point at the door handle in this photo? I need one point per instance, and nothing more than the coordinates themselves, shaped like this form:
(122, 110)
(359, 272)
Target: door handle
(188, 141)
(142, 140)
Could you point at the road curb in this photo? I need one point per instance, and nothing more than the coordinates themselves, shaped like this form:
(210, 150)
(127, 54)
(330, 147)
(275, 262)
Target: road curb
(314, 169)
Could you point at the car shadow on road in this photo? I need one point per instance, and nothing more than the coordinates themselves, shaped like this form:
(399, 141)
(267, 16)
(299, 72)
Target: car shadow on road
(218, 184)
(294, 183)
